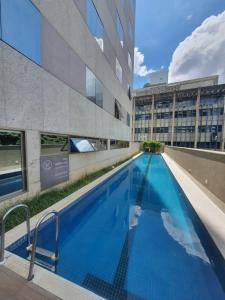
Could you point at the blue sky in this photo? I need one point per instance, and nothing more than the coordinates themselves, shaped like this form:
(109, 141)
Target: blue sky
(162, 24)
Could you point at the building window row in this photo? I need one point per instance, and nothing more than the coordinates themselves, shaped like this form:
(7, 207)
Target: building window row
(185, 103)
(184, 129)
(143, 117)
(163, 115)
(143, 108)
(162, 129)
(143, 130)
(205, 101)
(211, 112)
(185, 114)
(52, 144)
(163, 104)
(210, 128)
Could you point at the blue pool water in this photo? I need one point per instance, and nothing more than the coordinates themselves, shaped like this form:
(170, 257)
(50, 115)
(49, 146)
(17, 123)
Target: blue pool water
(136, 236)
(10, 183)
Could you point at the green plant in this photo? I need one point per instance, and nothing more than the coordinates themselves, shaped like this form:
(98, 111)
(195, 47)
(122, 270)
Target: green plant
(151, 146)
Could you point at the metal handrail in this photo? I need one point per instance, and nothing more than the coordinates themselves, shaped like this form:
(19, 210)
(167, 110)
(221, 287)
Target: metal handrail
(2, 249)
(34, 245)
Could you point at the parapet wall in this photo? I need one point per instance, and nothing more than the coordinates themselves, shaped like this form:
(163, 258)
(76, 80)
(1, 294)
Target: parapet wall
(208, 167)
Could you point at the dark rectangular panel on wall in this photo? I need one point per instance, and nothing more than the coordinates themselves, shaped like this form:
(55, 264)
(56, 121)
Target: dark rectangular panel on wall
(54, 170)
(59, 59)
(20, 24)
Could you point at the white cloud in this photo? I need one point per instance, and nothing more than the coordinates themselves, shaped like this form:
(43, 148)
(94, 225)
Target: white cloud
(140, 68)
(202, 53)
(189, 17)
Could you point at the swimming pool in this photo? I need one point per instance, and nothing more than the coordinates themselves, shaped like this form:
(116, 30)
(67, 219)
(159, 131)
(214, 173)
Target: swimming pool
(135, 236)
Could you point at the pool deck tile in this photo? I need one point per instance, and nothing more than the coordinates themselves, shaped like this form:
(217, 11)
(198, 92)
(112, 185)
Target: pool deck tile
(15, 287)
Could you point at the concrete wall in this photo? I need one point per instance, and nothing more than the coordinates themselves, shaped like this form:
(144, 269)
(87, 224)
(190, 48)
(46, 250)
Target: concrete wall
(208, 167)
(82, 164)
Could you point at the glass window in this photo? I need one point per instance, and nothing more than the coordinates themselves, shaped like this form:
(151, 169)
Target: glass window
(54, 144)
(20, 22)
(129, 92)
(95, 24)
(80, 145)
(118, 70)
(184, 129)
(129, 61)
(211, 100)
(98, 144)
(142, 117)
(99, 93)
(94, 88)
(118, 110)
(165, 115)
(185, 103)
(161, 129)
(87, 144)
(11, 162)
(210, 128)
(164, 104)
(119, 29)
(117, 144)
(128, 119)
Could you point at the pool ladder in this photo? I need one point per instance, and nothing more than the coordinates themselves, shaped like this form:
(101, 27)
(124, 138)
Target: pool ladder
(32, 247)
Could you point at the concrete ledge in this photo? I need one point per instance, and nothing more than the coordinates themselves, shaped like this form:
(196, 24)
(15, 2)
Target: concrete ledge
(51, 282)
(210, 214)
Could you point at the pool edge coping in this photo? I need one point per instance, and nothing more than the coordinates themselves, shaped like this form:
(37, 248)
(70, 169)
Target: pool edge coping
(211, 215)
(49, 281)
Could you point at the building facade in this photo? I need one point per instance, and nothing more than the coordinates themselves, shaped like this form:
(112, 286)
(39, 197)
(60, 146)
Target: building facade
(65, 102)
(184, 114)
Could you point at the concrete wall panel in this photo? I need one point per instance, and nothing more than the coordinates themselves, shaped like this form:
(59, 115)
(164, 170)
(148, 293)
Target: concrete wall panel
(208, 167)
(81, 5)
(60, 60)
(22, 90)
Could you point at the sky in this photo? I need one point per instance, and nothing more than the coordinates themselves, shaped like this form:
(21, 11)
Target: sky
(187, 37)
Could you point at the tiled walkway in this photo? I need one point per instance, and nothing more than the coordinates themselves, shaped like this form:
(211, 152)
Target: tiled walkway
(14, 287)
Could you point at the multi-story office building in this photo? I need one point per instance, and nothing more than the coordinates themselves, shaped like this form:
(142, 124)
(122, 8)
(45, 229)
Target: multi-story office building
(185, 114)
(65, 103)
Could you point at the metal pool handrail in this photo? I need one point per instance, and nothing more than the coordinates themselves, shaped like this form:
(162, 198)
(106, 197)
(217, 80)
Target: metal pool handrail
(34, 245)
(3, 220)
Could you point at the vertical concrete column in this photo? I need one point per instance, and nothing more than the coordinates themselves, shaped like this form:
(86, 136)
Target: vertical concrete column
(108, 144)
(173, 118)
(33, 152)
(152, 116)
(197, 117)
(223, 129)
